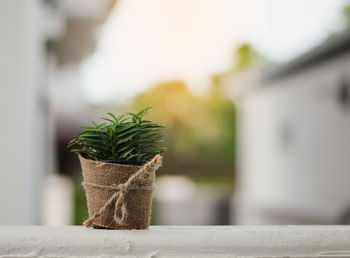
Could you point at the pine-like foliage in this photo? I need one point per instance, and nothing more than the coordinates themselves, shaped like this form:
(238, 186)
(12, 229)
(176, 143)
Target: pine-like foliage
(126, 138)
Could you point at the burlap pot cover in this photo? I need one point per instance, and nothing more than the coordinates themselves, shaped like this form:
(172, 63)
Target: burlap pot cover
(119, 196)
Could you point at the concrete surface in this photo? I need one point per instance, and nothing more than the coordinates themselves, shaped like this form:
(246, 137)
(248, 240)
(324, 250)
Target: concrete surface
(176, 241)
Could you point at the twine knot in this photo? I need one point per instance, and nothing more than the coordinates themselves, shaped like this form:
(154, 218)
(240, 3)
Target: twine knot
(120, 211)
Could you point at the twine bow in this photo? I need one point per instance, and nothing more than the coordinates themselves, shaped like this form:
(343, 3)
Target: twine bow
(120, 191)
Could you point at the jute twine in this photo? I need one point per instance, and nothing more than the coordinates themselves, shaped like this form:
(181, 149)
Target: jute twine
(97, 177)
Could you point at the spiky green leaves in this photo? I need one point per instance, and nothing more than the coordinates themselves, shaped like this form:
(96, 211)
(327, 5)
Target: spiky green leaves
(127, 137)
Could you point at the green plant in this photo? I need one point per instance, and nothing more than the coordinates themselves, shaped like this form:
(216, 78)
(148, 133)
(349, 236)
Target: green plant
(125, 138)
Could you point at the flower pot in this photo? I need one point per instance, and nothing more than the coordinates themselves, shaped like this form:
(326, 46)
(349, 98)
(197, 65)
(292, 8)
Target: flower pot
(119, 196)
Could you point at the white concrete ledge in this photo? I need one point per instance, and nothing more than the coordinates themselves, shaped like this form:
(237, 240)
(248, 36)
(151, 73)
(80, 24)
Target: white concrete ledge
(176, 241)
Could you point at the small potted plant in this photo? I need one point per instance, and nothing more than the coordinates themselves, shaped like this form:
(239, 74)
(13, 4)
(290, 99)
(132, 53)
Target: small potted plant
(119, 158)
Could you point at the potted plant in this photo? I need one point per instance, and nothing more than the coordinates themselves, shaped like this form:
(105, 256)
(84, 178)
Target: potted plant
(119, 158)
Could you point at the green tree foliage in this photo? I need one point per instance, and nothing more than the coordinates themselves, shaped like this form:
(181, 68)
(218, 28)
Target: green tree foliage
(127, 137)
(246, 56)
(200, 130)
(346, 12)
(80, 212)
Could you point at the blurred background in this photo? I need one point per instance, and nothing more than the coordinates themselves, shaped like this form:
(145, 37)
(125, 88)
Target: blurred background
(255, 97)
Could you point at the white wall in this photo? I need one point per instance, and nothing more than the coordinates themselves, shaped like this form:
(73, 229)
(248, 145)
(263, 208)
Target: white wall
(294, 155)
(22, 106)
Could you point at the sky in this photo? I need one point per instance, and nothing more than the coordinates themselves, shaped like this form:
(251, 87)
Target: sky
(146, 42)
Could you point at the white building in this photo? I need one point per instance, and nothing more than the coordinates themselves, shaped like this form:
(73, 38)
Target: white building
(294, 141)
(40, 43)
